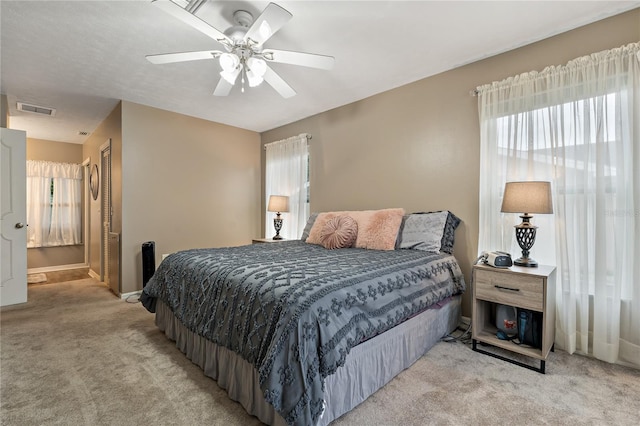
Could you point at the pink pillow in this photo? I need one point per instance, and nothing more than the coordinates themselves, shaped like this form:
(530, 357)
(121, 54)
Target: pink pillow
(339, 232)
(377, 229)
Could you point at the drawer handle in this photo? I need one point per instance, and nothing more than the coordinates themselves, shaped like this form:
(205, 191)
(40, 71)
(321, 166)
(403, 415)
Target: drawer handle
(499, 287)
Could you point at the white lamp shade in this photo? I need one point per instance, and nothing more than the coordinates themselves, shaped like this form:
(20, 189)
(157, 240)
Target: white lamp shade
(527, 197)
(278, 203)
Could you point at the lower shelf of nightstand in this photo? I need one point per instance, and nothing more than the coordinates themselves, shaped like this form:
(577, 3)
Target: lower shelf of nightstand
(488, 337)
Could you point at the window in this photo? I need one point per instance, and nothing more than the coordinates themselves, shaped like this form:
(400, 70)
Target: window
(576, 142)
(287, 173)
(54, 204)
(575, 126)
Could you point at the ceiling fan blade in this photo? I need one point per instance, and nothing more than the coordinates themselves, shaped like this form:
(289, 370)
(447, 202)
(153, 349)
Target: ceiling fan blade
(167, 58)
(278, 83)
(224, 86)
(272, 18)
(176, 11)
(299, 58)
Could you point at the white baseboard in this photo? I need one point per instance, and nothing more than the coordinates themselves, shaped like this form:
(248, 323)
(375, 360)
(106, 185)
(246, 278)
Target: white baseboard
(133, 293)
(94, 275)
(56, 268)
(465, 320)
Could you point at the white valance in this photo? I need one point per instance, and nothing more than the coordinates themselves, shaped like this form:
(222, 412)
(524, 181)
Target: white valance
(597, 67)
(51, 169)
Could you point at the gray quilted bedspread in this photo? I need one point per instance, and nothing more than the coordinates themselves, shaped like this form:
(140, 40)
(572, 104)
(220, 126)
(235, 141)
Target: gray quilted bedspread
(294, 310)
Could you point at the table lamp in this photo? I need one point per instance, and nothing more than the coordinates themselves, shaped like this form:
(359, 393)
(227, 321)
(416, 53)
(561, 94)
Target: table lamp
(278, 204)
(527, 197)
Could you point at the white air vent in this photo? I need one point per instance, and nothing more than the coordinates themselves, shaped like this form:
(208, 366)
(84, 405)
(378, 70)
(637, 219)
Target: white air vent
(36, 109)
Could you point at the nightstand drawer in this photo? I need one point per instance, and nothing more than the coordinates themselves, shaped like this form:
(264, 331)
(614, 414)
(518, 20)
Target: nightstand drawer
(510, 289)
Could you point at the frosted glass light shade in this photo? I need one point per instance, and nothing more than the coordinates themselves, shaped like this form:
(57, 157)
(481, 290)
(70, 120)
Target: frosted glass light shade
(257, 66)
(229, 62)
(253, 79)
(230, 76)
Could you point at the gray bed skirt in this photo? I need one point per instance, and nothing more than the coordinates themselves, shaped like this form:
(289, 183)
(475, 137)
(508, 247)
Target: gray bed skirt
(368, 367)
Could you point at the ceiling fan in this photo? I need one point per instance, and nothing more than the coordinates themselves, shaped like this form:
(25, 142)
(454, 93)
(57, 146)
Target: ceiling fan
(244, 54)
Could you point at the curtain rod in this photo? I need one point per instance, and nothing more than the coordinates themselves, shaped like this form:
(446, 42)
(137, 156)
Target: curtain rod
(307, 135)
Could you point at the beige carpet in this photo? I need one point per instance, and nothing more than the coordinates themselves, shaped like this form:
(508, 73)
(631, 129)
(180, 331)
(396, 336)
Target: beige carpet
(77, 355)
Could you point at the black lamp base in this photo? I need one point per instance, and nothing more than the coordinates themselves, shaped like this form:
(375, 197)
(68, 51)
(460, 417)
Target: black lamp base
(525, 236)
(525, 261)
(277, 224)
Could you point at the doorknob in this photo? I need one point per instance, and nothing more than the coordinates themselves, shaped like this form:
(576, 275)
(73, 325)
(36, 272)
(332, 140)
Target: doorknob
(19, 225)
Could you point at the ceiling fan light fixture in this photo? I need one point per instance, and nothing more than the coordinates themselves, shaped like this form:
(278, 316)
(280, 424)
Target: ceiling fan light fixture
(254, 80)
(229, 62)
(230, 76)
(257, 66)
(243, 45)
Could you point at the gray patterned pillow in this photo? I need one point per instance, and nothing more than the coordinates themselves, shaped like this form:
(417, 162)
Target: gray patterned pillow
(433, 232)
(308, 226)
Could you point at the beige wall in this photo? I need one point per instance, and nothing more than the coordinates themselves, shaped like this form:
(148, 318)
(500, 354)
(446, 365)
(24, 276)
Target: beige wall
(59, 152)
(417, 146)
(187, 183)
(109, 129)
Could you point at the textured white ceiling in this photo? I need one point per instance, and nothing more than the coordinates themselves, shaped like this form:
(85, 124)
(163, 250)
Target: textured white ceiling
(82, 57)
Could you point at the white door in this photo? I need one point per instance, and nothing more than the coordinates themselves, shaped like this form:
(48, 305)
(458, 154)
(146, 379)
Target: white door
(13, 216)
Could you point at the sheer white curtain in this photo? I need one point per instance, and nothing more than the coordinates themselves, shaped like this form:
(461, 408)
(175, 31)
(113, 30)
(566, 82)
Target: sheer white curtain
(577, 126)
(287, 173)
(54, 203)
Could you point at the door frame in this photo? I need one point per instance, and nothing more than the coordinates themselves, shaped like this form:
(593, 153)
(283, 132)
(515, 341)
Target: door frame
(86, 229)
(104, 236)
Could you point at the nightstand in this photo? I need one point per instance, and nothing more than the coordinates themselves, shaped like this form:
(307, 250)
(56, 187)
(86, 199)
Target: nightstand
(266, 240)
(522, 287)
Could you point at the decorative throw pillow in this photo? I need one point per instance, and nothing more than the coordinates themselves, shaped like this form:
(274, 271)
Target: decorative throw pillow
(318, 225)
(449, 234)
(339, 232)
(307, 227)
(377, 229)
(433, 232)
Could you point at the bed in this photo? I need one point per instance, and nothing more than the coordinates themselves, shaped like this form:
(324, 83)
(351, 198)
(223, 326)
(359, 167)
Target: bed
(300, 334)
